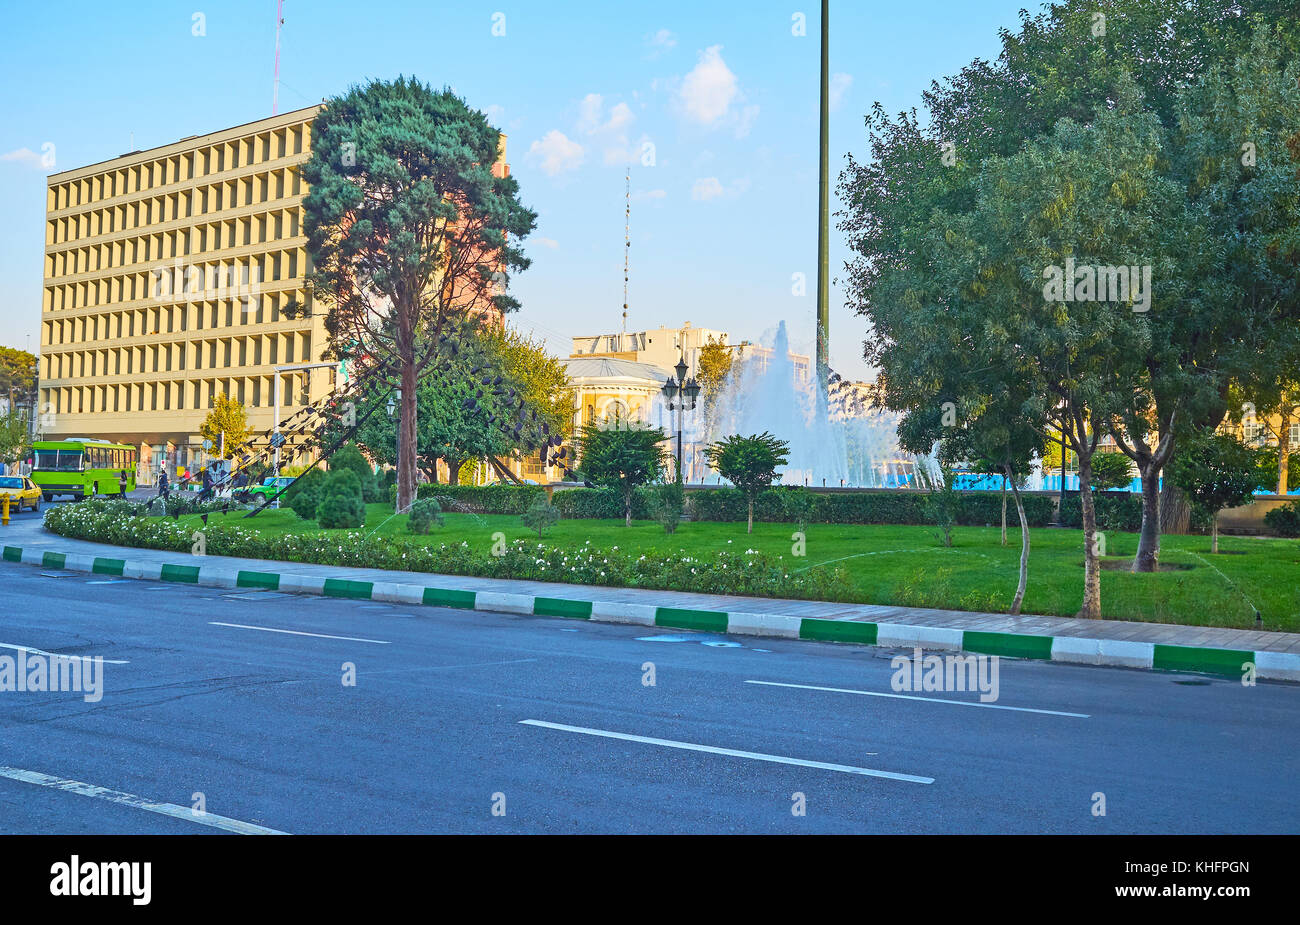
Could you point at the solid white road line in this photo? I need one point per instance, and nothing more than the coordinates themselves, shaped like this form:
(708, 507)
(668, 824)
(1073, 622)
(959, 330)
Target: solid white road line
(271, 629)
(36, 651)
(129, 799)
(756, 756)
(960, 703)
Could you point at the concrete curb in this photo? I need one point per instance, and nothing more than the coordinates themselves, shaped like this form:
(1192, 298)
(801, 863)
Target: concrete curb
(1279, 666)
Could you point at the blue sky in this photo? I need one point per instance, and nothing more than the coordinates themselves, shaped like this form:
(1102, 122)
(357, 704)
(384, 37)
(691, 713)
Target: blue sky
(724, 91)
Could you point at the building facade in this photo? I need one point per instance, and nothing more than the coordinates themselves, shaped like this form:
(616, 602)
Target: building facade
(663, 347)
(173, 275)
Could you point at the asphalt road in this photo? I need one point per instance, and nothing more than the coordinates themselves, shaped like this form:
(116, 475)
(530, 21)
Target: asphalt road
(551, 723)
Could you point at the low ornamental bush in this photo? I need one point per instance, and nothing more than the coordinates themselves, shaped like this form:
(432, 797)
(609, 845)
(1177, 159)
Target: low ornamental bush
(425, 515)
(540, 516)
(667, 503)
(747, 573)
(341, 505)
(1285, 520)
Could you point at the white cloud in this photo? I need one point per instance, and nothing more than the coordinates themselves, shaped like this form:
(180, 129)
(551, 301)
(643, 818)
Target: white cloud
(708, 188)
(25, 156)
(591, 116)
(589, 112)
(708, 90)
(609, 129)
(495, 114)
(746, 120)
(620, 151)
(840, 84)
(555, 152)
(649, 195)
(660, 42)
(620, 117)
(550, 243)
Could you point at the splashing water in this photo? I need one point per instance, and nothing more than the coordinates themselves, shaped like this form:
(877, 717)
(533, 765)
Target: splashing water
(848, 445)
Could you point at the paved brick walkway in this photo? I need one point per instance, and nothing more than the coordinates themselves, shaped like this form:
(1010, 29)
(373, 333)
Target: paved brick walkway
(29, 533)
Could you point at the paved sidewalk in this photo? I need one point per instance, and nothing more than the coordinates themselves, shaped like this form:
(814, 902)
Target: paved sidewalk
(29, 534)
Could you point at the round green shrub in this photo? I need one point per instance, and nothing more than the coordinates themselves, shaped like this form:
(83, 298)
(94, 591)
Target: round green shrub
(304, 503)
(349, 457)
(341, 504)
(425, 515)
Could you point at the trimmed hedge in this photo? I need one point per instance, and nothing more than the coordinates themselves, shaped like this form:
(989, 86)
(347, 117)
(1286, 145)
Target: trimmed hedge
(1116, 511)
(478, 499)
(728, 504)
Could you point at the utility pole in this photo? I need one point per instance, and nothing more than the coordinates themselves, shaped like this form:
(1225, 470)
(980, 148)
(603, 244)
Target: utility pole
(823, 221)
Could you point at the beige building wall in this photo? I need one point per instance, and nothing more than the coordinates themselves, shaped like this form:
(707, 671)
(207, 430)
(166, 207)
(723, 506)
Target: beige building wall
(663, 346)
(660, 347)
(167, 276)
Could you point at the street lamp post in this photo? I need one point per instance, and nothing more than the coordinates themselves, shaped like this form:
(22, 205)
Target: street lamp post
(395, 414)
(681, 394)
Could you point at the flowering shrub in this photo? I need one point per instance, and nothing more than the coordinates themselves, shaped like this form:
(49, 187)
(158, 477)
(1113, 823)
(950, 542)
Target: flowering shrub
(748, 573)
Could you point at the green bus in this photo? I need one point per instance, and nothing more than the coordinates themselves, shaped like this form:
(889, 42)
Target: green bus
(82, 467)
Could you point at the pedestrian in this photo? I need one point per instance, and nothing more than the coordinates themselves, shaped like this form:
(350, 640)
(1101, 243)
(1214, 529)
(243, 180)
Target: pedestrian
(206, 493)
(163, 486)
(121, 481)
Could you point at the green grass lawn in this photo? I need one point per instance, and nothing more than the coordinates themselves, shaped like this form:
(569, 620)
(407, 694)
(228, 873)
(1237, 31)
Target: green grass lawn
(909, 566)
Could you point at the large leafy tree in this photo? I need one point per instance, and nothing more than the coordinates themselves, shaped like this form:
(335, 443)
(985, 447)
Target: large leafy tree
(1068, 62)
(17, 377)
(974, 281)
(715, 365)
(622, 458)
(749, 463)
(15, 435)
(1231, 309)
(412, 230)
(227, 418)
(496, 396)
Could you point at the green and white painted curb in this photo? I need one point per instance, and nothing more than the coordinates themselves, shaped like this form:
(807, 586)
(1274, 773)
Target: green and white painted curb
(1281, 666)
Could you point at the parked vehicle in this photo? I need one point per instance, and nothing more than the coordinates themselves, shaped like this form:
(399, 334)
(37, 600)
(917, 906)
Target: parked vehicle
(271, 485)
(82, 467)
(21, 490)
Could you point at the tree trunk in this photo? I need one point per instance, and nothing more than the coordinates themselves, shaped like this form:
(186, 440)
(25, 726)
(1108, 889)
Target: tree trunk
(750, 527)
(406, 462)
(1175, 512)
(1024, 544)
(1283, 451)
(1004, 510)
(1091, 609)
(1148, 552)
(627, 506)
(453, 469)
(1214, 533)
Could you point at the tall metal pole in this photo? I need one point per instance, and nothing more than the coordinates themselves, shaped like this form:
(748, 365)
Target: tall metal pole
(823, 221)
(681, 422)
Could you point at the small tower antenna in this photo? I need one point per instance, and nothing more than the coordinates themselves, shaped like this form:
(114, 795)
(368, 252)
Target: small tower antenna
(627, 237)
(279, 21)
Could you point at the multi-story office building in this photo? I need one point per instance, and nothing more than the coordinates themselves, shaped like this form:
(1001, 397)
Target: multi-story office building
(176, 274)
(173, 275)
